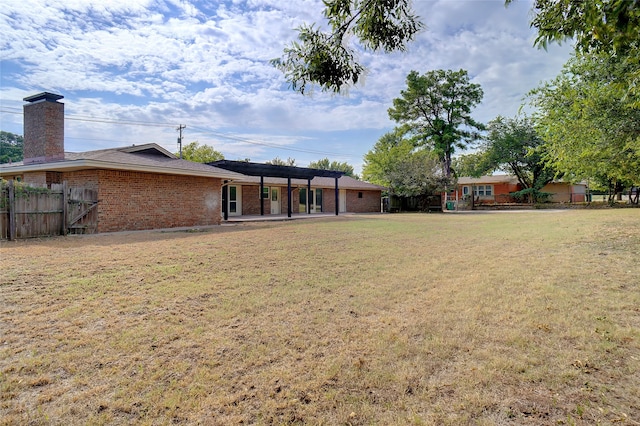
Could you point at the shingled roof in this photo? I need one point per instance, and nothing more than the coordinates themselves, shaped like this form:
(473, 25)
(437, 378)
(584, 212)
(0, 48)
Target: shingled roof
(150, 158)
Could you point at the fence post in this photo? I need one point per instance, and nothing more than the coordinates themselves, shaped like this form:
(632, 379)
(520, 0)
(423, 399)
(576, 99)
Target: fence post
(12, 212)
(65, 208)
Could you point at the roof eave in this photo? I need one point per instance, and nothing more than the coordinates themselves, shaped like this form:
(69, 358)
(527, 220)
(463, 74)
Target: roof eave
(73, 165)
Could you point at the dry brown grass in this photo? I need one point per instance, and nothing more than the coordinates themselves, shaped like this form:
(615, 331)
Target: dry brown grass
(504, 318)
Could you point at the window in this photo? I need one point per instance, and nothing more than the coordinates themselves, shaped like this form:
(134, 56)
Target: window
(465, 190)
(483, 190)
(265, 193)
(319, 199)
(233, 199)
(359, 194)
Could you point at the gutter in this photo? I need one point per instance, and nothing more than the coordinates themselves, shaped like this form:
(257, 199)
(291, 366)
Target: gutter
(72, 165)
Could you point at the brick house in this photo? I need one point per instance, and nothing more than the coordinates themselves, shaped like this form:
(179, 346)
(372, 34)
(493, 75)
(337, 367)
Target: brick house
(146, 187)
(138, 187)
(488, 189)
(354, 196)
(497, 189)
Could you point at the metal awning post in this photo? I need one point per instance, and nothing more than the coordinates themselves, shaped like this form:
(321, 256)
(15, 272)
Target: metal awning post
(225, 204)
(261, 196)
(337, 197)
(289, 197)
(308, 196)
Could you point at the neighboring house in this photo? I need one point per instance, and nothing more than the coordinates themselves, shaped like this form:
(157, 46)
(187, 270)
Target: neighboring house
(485, 190)
(147, 187)
(497, 189)
(566, 192)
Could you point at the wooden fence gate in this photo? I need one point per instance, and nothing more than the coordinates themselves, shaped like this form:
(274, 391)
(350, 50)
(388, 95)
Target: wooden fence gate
(27, 212)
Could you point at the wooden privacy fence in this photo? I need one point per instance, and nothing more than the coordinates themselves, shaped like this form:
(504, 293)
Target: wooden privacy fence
(27, 212)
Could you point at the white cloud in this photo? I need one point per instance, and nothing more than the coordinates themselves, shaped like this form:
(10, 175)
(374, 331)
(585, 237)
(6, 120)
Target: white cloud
(206, 64)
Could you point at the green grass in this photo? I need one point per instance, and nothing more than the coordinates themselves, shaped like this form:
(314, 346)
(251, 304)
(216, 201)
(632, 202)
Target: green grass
(501, 318)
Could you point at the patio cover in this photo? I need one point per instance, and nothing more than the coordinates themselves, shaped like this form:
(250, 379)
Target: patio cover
(272, 170)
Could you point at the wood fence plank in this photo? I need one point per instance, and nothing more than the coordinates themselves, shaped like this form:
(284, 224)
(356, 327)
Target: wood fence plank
(65, 208)
(27, 212)
(12, 211)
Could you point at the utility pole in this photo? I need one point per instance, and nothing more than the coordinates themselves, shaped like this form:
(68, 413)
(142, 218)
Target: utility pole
(179, 129)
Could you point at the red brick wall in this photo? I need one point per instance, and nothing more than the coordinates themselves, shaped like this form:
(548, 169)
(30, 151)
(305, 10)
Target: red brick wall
(135, 201)
(131, 200)
(83, 179)
(251, 200)
(369, 203)
(38, 179)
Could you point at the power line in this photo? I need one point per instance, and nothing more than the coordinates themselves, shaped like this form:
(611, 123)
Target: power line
(269, 145)
(97, 120)
(201, 130)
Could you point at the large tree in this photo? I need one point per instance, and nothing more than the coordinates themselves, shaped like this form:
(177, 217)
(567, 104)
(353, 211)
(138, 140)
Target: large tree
(435, 111)
(596, 25)
(325, 164)
(380, 161)
(200, 153)
(11, 147)
(590, 124)
(327, 59)
(396, 163)
(601, 27)
(513, 145)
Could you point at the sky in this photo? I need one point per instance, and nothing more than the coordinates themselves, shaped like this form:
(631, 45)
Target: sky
(132, 71)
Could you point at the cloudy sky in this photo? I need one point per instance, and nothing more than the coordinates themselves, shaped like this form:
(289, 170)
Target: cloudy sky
(131, 71)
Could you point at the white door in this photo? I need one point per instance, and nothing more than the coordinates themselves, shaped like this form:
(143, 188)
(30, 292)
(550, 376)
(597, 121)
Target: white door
(343, 201)
(275, 200)
(234, 204)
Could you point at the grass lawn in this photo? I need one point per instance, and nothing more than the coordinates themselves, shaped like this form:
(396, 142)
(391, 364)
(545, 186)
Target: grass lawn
(494, 318)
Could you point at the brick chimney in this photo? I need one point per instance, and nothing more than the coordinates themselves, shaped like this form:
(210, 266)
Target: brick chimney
(43, 128)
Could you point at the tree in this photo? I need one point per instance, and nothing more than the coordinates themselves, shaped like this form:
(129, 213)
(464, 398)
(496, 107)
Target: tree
(417, 175)
(200, 154)
(325, 164)
(326, 59)
(599, 27)
(513, 146)
(473, 164)
(596, 25)
(381, 159)
(435, 110)
(395, 162)
(280, 162)
(591, 129)
(11, 147)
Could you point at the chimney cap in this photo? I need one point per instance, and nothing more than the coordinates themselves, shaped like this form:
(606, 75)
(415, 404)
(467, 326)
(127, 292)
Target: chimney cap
(44, 96)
